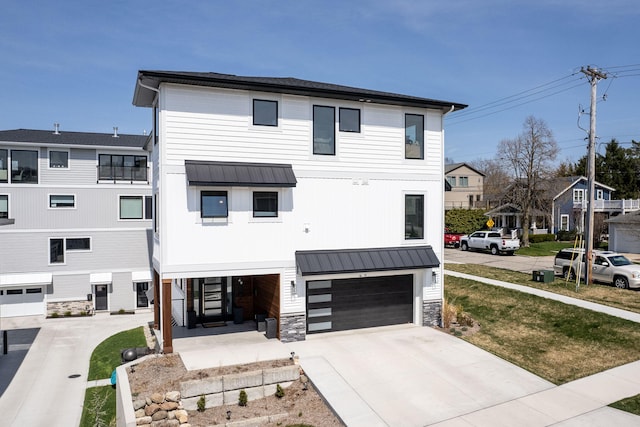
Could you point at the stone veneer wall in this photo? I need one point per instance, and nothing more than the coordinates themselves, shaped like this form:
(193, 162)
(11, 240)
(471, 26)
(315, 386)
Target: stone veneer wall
(432, 313)
(293, 327)
(74, 307)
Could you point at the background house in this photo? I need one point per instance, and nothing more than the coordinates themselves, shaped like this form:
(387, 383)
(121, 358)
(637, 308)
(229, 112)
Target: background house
(466, 187)
(624, 233)
(316, 205)
(75, 221)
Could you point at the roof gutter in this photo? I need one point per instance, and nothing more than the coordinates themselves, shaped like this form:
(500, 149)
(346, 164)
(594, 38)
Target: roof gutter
(453, 107)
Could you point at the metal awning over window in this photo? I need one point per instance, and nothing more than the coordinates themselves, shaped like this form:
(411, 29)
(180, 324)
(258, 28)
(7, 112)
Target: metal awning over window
(100, 278)
(239, 174)
(25, 279)
(361, 260)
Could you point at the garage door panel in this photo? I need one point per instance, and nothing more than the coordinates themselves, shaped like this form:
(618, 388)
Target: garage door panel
(360, 303)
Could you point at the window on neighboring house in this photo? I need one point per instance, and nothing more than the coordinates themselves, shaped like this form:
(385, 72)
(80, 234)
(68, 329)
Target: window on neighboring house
(324, 124)
(120, 167)
(463, 181)
(414, 216)
(56, 251)
(78, 244)
(599, 194)
(14, 291)
(578, 195)
(141, 294)
(451, 180)
(349, 120)
(4, 206)
(62, 201)
(135, 207)
(24, 166)
(58, 159)
(564, 222)
(265, 113)
(413, 136)
(265, 204)
(214, 204)
(34, 290)
(4, 162)
(477, 197)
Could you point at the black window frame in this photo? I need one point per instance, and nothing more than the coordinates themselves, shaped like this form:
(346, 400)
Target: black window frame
(414, 221)
(269, 197)
(65, 164)
(217, 193)
(62, 205)
(60, 251)
(419, 136)
(342, 127)
(31, 177)
(86, 246)
(33, 290)
(14, 292)
(317, 131)
(4, 165)
(122, 167)
(5, 214)
(272, 121)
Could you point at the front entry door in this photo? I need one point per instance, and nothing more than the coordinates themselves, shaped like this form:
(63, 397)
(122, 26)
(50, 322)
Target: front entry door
(212, 300)
(101, 297)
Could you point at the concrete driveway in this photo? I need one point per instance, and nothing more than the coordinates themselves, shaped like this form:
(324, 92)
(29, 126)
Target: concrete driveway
(522, 263)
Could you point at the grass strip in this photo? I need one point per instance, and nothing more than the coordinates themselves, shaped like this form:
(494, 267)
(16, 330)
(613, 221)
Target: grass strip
(602, 294)
(630, 404)
(553, 340)
(99, 407)
(106, 356)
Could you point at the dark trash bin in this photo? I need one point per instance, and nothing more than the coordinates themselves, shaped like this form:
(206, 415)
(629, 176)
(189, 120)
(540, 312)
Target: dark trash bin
(191, 319)
(260, 324)
(272, 324)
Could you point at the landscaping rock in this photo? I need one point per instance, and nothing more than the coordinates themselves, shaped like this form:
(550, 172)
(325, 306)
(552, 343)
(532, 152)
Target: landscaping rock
(172, 396)
(166, 423)
(159, 415)
(143, 421)
(181, 415)
(139, 413)
(139, 403)
(169, 406)
(151, 409)
(157, 398)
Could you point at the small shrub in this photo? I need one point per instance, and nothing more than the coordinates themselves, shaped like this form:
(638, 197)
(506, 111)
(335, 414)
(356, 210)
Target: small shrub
(55, 315)
(201, 403)
(566, 236)
(279, 391)
(464, 319)
(452, 330)
(464, 329)
(121, 311)
(67, 313)
(457, 333)
(448, 314)
(83, 313)
(242, 399)
(537, 238)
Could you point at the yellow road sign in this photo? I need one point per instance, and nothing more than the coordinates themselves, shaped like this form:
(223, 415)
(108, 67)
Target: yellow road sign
(490, 223)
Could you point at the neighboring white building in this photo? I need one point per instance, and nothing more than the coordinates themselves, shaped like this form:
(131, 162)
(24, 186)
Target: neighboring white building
(75, 222)
(315, 205)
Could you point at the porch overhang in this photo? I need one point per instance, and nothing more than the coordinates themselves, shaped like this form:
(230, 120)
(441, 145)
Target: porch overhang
(321, 262)
(239, 174)
(7, 280)
(100, 278)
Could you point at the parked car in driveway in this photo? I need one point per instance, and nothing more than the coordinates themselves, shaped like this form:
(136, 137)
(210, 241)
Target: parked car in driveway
(492, 241)
(563, 259)
(452, 239)
(608, 267)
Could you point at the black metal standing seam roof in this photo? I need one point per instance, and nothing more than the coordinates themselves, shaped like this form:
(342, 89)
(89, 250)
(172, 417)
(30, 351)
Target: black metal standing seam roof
(48, 137)
(143, 96)
(362, 260)
(239, 174)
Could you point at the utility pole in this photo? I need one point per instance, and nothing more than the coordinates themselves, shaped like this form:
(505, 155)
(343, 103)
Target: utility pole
(593, 74)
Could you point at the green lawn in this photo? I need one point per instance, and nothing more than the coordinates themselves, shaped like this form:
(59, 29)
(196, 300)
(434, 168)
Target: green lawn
(630, 404)
(99, 407)
(106, 356)
(544, 248)
(602, 294)
(555, 341)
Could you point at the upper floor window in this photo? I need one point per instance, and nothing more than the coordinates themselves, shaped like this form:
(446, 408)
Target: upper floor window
(4, 159)
(265, 113)
(349, 120)
(578, 195)
(324, 130)
(214, 204)
(58, 159)
(135, 207)
(413, 136)
(24, 166)
(451, 180)
(463, 181)
(599, 194)
(62, 201)
(265, 204)
(120, 167)
(414, 216)
(4, 206)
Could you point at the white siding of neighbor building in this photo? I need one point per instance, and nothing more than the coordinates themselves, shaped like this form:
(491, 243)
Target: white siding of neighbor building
(122, 292)
(624, 238)
(69, 287)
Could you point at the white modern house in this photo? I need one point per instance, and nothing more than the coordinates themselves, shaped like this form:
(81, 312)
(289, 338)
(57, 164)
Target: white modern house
(314, 205)
(75, 222)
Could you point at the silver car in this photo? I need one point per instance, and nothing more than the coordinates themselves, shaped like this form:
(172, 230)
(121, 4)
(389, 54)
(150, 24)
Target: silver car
(611, 268)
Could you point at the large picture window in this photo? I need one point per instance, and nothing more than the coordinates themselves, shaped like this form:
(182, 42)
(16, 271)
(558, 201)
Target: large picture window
(4, 206)
(115, 167)
(265, 113)
(4, 168)
(135, 207)
(324, 130)
(214, 204)
(349, 120)
(24, 166)
(265, 204)
(413, 136)
(414, 216)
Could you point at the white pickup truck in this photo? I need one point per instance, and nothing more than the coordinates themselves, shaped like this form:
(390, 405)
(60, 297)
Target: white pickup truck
(491, 241)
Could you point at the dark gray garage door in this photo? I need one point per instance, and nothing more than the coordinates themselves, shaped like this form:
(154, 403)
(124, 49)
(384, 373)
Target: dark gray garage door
(337, 305)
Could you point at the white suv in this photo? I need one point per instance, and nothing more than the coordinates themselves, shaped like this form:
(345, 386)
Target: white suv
(609, 267)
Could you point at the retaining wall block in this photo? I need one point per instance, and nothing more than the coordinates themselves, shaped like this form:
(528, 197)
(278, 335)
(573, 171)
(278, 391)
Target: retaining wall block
(205, 386)
(242, 380)
(281, 374)
(253, 393)
(210, 401)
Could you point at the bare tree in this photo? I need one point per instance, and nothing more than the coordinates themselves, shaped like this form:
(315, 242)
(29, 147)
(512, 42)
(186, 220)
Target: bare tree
(496, 180)
(531, 157)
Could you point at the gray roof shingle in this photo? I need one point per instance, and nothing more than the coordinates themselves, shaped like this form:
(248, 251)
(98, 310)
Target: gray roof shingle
(48, 137)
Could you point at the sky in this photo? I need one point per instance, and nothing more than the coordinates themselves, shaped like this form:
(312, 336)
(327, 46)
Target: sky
(75, 62)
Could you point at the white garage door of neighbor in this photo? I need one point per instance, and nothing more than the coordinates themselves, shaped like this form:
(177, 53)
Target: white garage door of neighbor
(22, 302)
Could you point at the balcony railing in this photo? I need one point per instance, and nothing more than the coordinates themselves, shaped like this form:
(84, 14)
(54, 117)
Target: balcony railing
(119, 174)
(626, 205)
